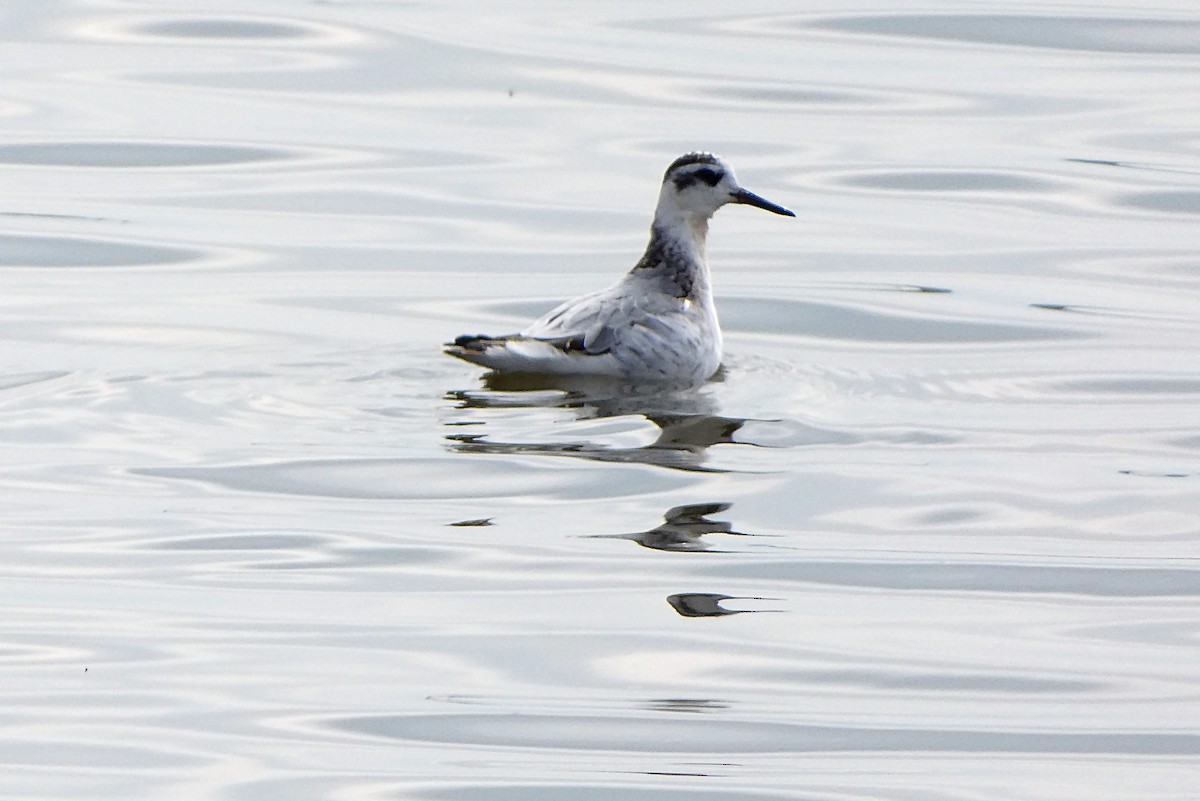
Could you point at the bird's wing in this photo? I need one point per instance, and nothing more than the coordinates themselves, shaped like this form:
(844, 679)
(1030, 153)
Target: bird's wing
(584, 323)
(615, 331)
(572, 338)
(598, 322)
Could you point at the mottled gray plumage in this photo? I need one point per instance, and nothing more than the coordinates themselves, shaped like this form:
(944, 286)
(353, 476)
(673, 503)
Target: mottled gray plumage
(656, 323)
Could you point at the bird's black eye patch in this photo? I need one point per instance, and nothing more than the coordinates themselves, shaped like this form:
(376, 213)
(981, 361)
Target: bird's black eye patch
(706, 174)
(709, 175)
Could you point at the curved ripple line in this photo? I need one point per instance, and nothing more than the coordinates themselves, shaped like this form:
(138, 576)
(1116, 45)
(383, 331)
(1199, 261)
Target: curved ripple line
(23, 250)
(416, 479)
(708, 735)
(116, 154)
(1111, 582)
(226, 30)
(1096, 34)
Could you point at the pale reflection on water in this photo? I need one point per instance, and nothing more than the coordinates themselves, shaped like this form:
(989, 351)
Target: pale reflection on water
(684, 416)
(931, 535)
(684, 528)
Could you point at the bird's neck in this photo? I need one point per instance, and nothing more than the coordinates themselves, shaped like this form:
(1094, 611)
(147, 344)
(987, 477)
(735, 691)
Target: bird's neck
(675, 258)
(687, 228)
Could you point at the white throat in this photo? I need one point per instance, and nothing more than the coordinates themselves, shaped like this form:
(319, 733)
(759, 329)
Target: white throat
(687, 229)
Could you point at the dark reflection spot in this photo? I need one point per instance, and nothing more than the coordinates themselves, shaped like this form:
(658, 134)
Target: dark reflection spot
(1173, 202)
(686, 705)
(1101, 34)
(1093, 311)
(705, 604)
(1132, 165)
(225, 29)
(1098, 162)
(943, 517)
(683, 529)
(1150, 474)
(133, 154)
(17, 250)
(946, 181)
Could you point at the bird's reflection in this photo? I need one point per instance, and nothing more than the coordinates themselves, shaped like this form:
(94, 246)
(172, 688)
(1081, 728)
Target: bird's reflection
(692, 705)
(683, 529)
(686, 417)
(707, 604)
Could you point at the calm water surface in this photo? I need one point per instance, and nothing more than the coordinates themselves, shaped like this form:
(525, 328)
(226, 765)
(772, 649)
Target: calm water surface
(933, 534)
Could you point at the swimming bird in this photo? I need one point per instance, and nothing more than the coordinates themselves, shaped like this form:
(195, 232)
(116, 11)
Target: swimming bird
(658, 322)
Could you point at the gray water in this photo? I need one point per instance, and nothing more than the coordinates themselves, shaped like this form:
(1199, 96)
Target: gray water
(933, 534)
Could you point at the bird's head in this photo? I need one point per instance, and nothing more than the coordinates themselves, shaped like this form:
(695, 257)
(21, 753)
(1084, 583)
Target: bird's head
(697, 184)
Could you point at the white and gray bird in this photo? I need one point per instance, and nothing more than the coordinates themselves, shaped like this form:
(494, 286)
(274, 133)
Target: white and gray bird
(656, 323)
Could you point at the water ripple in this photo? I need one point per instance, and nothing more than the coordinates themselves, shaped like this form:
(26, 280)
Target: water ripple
(1096, 34)
(726, 737)
(790, 317)
(394, 479)
(1180, 201)
(918, 540)
(614, 791)
(123, 155)
(609, 792)
(947, 181)
(779, 316)
(225, 30)
(1111, 582)
(21, 250)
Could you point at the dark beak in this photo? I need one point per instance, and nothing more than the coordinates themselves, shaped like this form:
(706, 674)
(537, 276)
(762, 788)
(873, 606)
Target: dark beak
(751, 199)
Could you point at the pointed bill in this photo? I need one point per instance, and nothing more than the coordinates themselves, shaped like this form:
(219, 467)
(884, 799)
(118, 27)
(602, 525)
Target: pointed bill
(751, 199)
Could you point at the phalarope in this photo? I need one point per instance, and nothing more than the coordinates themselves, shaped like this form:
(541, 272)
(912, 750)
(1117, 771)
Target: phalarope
(656, 323)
